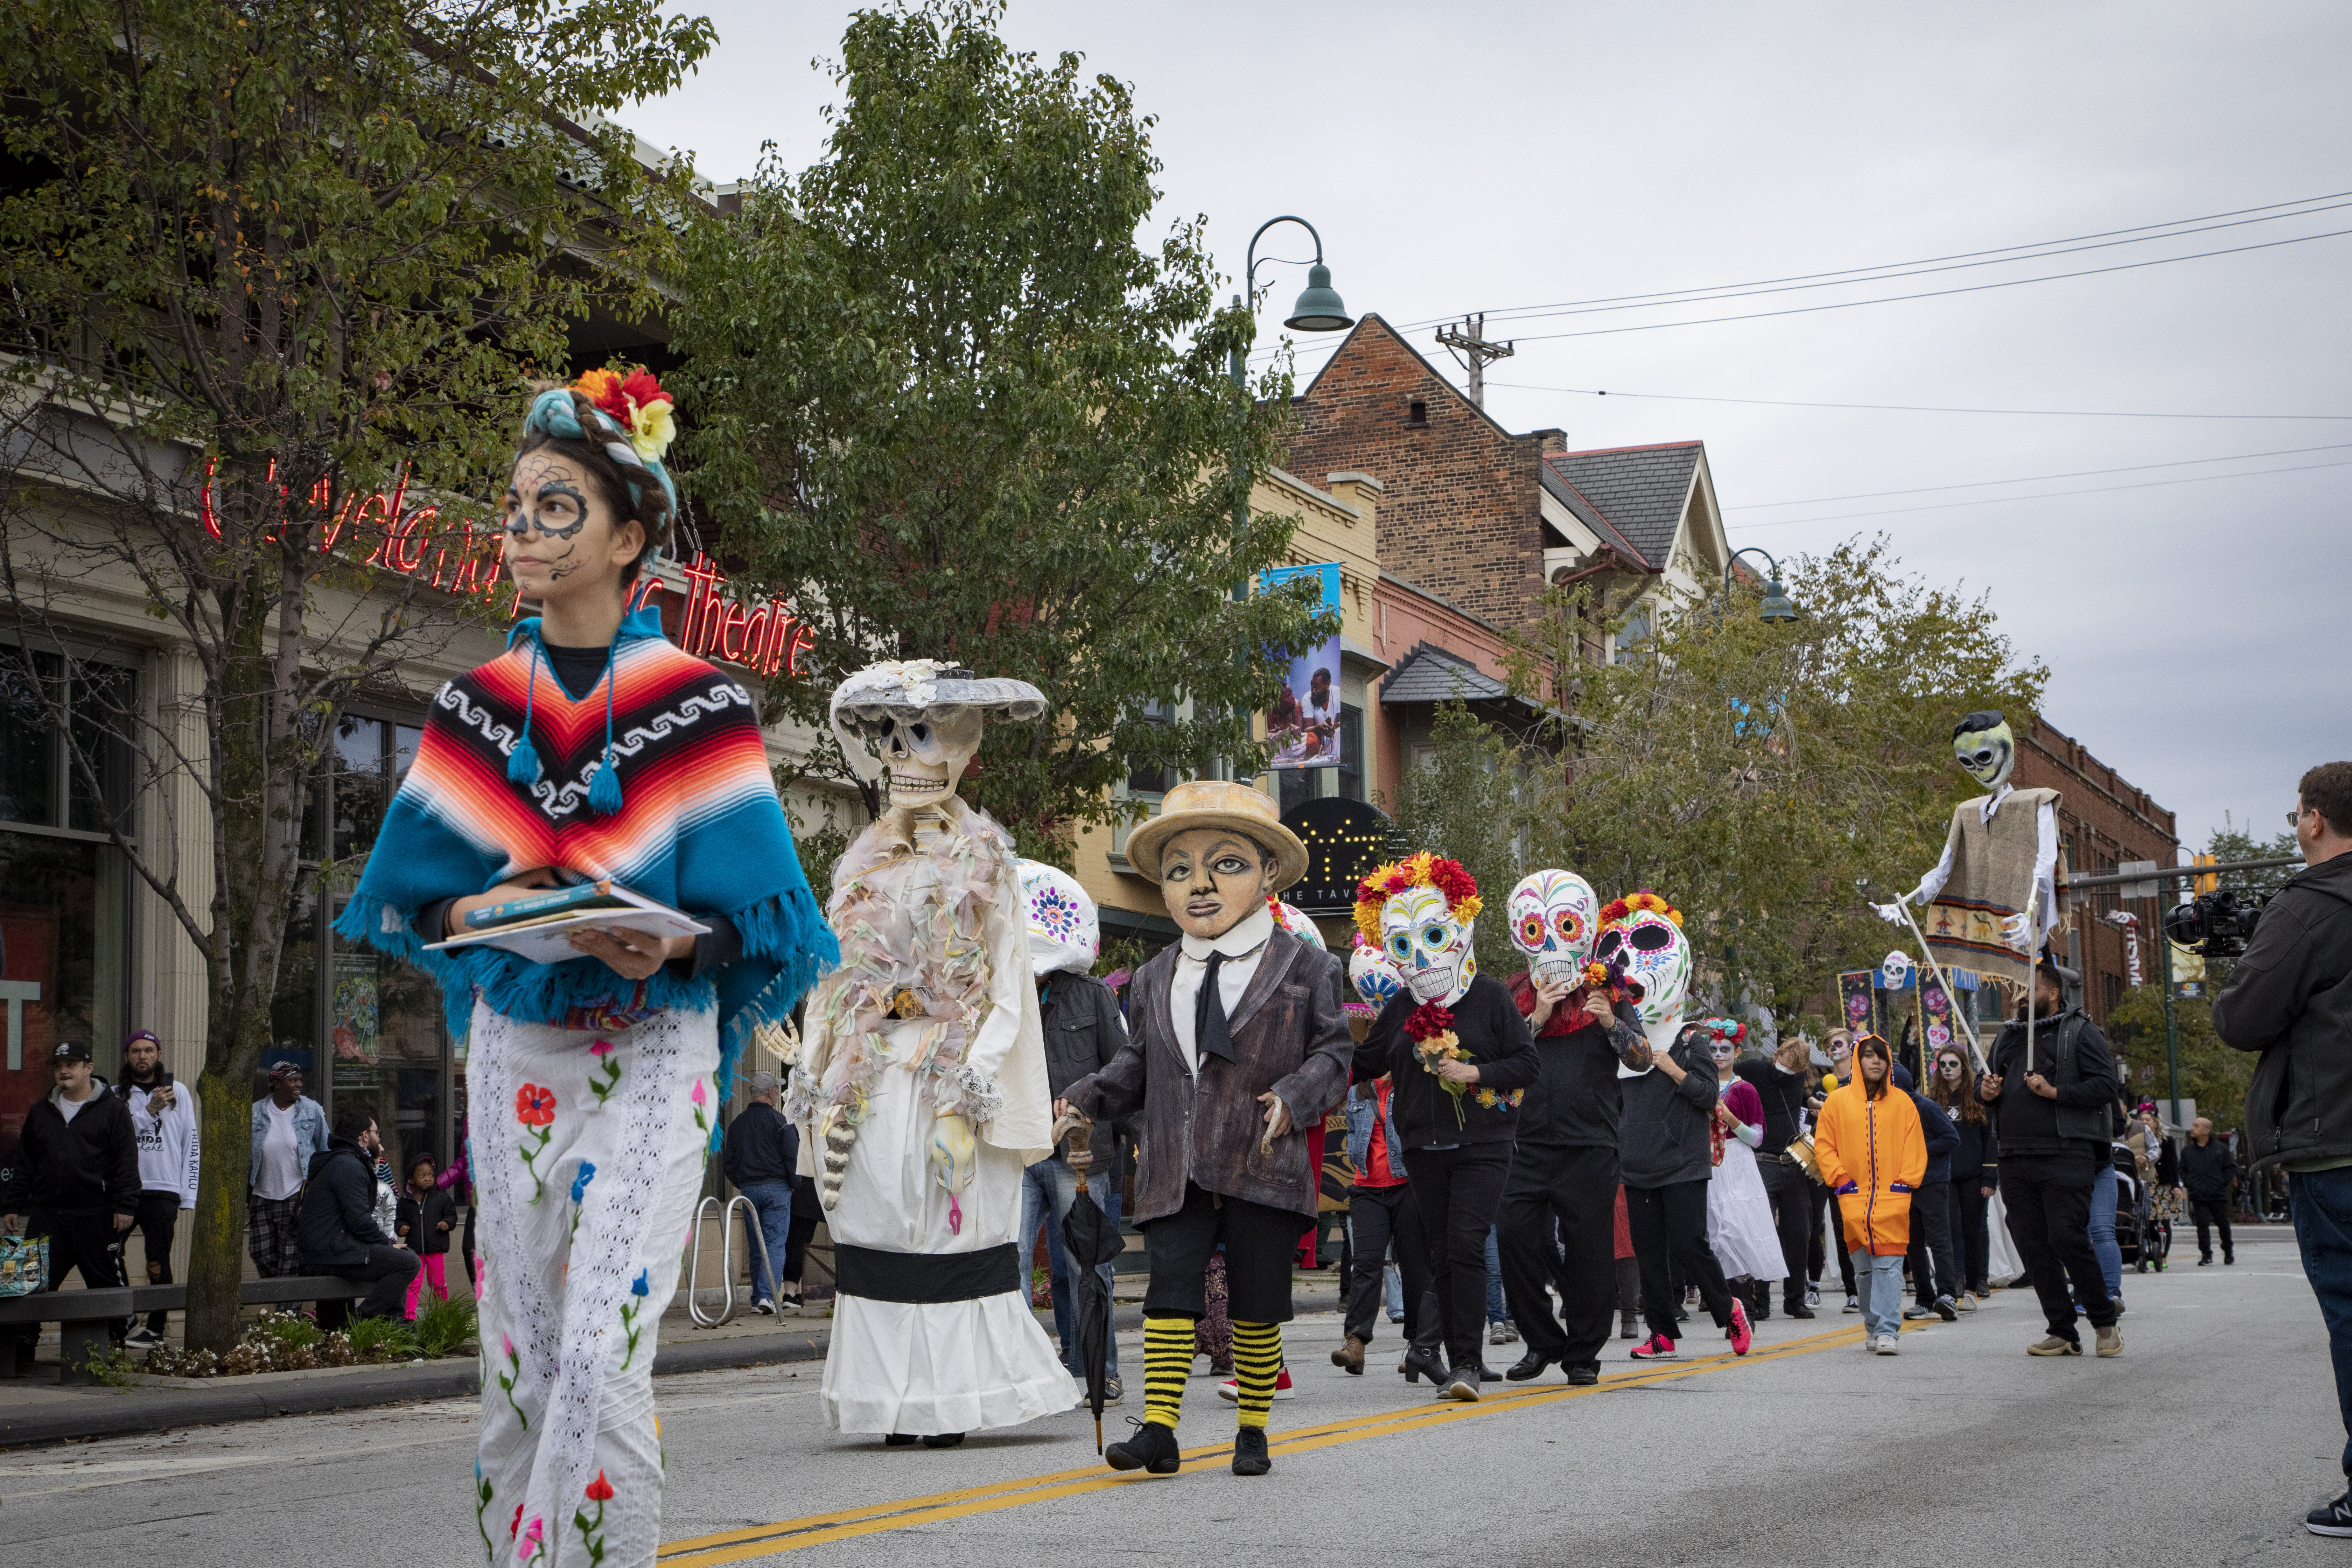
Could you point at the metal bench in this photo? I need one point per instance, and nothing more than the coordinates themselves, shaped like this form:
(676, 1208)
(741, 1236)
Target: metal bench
(86, 1319)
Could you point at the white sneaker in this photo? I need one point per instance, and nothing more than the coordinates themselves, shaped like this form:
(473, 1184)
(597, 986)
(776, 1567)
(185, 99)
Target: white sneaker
(1884, 1346)
(1812, 1295)
(1230, 1389)
(1969, 1301)
(141, 1338)
(764, 1306)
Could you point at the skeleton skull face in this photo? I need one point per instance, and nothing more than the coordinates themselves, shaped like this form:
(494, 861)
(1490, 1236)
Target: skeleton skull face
(1429, 945)
(1373, 973)
(1986, 752)
(1657, 958)
(1552, 914)
(927, 753)
(1896, 967)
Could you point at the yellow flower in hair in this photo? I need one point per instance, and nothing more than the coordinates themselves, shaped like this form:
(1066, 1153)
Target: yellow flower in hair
(651, 431)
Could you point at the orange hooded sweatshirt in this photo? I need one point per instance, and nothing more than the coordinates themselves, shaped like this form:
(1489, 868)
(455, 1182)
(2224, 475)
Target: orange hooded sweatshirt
(1873, 1155)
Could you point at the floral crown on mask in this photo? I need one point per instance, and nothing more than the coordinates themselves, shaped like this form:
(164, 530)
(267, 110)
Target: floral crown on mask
(1625, 909)
(1421, 870)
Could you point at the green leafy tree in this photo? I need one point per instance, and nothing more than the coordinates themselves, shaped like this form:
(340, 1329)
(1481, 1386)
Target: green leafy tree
(312, 253)
(1470, 802)
(945, 399)
(1757, 774)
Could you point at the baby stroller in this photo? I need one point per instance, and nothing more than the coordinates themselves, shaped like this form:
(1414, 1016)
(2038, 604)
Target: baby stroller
(2142, 1226)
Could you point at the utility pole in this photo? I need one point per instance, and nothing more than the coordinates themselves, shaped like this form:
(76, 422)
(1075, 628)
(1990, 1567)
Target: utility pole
(1468, 344)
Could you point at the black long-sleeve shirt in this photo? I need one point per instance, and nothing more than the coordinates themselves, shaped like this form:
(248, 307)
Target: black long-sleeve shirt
(2078, 1118)
(1494, 1039)
(86, 1165)
(760, 1146)
(1662, 1139)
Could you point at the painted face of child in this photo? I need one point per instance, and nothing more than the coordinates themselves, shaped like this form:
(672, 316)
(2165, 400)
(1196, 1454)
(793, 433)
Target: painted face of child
(1212, 879)
(561, 539)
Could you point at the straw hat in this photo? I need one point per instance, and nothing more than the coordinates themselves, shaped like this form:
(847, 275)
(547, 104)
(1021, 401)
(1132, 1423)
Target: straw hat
(1211, 803)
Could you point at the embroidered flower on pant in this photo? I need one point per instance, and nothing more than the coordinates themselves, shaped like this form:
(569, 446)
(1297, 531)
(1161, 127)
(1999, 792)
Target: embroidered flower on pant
(507, 1380)
(606, 1077)
(534, 1538)
(591, 1531)
(483, 1493)
(702, 1121)
(638, 1291)
(586, 1173)
(535, 1108)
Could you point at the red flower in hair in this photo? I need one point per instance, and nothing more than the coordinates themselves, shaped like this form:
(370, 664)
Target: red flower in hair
(642, 391)
(603, 388)
(1449, 878)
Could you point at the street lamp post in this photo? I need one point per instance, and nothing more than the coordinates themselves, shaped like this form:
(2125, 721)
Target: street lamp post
(1318, 310)
(1776, 606)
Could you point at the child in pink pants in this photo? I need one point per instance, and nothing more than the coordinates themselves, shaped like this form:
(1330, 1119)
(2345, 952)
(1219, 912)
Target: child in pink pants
(428, 1213)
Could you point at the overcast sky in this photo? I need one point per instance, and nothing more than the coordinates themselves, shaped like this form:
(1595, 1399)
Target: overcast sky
(1491, 156)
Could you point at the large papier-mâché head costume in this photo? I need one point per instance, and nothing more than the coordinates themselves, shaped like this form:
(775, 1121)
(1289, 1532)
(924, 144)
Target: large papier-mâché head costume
(1420, 910)
(1373, 973)
(1064, 927)
(1644, 933)
(1985, 748)
(1554, 918)
(918, 721)
(1226, 811)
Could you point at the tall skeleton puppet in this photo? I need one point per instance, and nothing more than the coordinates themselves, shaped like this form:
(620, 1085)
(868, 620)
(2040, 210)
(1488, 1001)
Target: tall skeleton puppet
(922, 1090)
(2002, 847)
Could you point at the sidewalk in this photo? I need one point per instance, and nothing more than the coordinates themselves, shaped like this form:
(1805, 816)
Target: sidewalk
(33, 1410)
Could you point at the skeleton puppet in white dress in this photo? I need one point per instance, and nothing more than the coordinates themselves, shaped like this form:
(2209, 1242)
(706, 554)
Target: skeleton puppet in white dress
(922, 1092)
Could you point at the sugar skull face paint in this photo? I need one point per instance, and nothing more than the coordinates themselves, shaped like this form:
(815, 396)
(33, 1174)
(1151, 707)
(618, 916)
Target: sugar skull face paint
(1065, 930)
(1553, 914)
(1655, 957)
(1373, 973)
(1985, 748)
(1429, 945)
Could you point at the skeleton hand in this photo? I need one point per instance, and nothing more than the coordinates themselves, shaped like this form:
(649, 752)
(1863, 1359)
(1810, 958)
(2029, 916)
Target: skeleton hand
(1891, 913)
(954, 1152)
(2012, 931)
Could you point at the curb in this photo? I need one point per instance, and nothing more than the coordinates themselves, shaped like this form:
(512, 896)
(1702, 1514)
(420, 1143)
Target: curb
(115, 1413)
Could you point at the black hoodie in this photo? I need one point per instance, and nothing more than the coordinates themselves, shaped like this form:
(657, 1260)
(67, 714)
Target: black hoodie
(88, 1165)
(338, 1223)
(2286, 998)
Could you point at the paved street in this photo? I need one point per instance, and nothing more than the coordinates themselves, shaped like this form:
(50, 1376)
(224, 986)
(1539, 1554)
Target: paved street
(2205, 1442)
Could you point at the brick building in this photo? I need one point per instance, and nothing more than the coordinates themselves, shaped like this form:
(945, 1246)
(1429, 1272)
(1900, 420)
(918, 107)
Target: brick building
(1480, 518)
(2104, 821)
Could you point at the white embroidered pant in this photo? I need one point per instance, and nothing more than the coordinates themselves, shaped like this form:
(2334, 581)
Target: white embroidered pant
(588, 1151)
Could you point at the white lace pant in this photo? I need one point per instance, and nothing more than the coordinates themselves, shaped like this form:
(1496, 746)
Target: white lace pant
(587, 1156)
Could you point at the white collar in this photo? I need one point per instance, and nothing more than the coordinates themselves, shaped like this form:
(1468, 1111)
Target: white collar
(1992, 801)
(1243, 938)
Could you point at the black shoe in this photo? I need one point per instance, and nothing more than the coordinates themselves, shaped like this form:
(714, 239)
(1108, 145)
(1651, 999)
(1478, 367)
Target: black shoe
(2333, 1518)
(1948, 1309)
(1250, 1457)
(1420, 1363)
(1682, 1314)
(1759, 1310)
(1629, 1325)
(1151, 1447)
(1461, 1384)
(899, 1440)
(1798, 1309)
(1584, 1375)
(1532, 1367)
(942, 1439)
(1488, 1374)
(2206, 1261)
(2229, 1257)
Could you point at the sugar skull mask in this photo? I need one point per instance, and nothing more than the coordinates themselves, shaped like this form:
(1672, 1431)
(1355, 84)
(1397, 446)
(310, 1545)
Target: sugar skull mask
(1552, 916)
(1374, 975)
(1648, 942)
(1429, 945)
(1985, 748)
(1065, 930)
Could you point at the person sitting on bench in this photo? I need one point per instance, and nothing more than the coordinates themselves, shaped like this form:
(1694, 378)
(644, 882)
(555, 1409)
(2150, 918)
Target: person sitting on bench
(338, 1229)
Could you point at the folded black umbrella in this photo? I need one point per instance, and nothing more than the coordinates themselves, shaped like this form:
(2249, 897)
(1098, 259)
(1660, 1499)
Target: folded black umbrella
(1091, 1238)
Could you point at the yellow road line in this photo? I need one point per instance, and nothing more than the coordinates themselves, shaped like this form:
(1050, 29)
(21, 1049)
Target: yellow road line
(816, 1530)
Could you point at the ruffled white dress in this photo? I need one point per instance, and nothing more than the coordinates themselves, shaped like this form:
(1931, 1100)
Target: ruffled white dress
(1739, 1217)
(932, 1366)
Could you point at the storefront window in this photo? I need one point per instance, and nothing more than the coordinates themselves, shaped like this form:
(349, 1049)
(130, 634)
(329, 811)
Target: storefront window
(61, 961)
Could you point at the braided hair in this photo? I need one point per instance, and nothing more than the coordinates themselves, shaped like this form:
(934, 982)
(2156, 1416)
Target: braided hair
(564, 419)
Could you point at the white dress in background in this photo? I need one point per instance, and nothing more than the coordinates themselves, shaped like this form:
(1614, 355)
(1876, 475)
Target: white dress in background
(908, 918)
(1739, 1217)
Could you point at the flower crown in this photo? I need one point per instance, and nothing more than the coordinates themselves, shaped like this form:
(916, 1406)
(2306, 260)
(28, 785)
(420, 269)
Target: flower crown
(1421, 870)
(638, 404)
(1625, 908)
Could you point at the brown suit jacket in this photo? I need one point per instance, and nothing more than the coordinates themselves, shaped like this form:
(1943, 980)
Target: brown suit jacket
(1289, 1036)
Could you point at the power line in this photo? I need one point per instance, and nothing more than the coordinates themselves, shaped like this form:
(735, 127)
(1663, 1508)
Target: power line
(2044, 479)
(1697, 296)
(1934, 294)
(2046, 495)
(2000, 252)
(1904, 407)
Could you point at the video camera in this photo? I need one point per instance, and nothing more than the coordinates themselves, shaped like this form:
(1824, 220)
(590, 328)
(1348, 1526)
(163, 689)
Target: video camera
(2217, 924)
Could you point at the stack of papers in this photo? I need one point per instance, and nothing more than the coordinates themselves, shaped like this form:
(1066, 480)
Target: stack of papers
(538, 927)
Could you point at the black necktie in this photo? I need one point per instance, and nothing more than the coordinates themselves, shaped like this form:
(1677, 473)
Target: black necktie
(1209, 1036)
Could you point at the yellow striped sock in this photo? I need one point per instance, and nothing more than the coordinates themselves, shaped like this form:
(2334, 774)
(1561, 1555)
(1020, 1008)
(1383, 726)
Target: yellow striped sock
(1167, 1362)
(1257, 1361)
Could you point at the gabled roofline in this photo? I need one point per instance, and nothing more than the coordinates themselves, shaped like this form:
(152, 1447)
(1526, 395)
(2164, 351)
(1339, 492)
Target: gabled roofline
(1644, 447)
(1369, 319)
(1613, 538)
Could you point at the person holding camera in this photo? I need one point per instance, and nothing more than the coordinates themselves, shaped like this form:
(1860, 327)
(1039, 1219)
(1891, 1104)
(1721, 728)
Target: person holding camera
(2287, 998)
(2050, 1110)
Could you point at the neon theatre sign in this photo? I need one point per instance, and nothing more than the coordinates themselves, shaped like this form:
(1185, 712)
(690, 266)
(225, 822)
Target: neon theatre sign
(463, 556)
